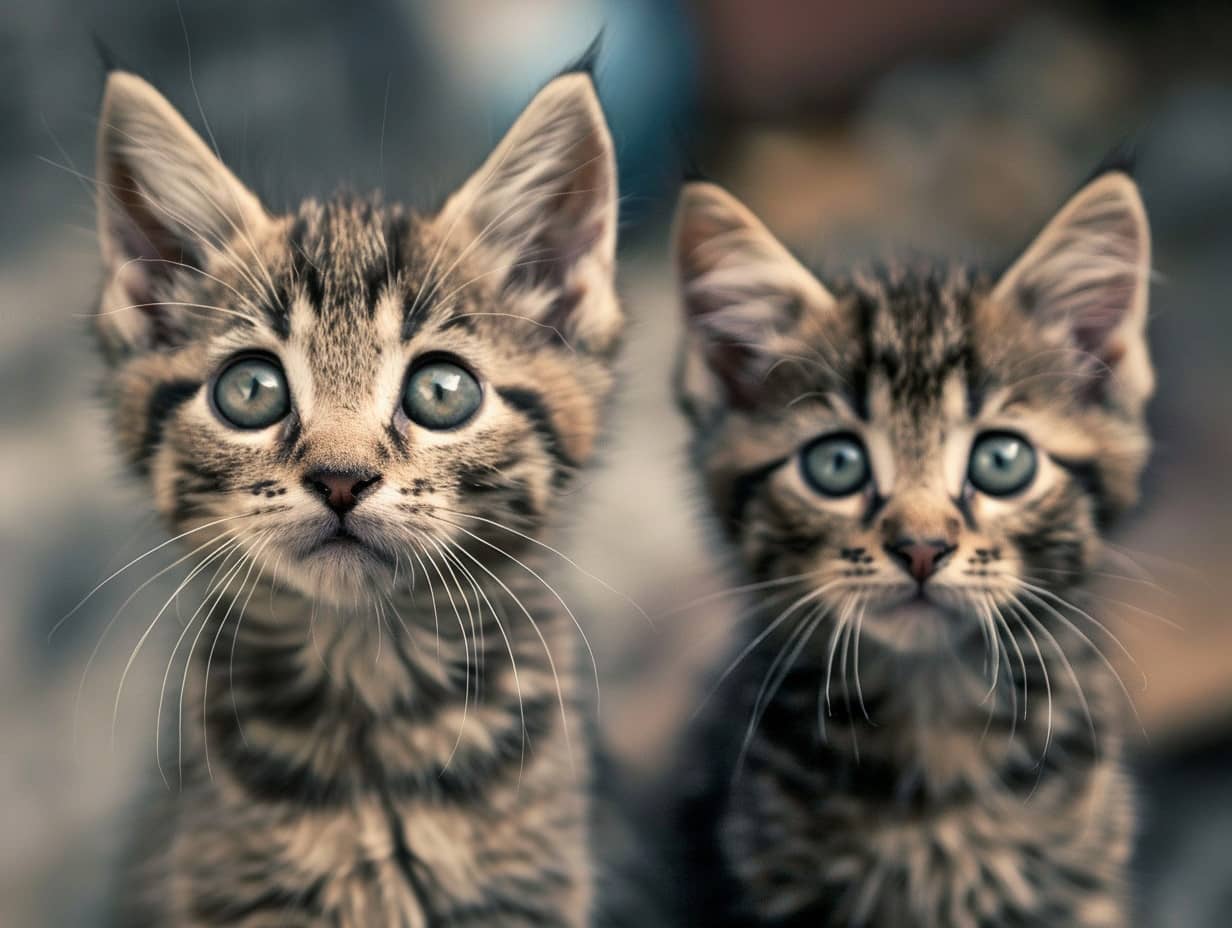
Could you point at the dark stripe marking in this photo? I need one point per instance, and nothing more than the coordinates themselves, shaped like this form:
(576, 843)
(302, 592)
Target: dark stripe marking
(531, 405)
(744, 488)
(165, 400)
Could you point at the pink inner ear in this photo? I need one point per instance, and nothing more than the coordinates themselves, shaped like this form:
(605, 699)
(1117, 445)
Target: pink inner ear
(136, 229)
(146, 250)
(1098, 315)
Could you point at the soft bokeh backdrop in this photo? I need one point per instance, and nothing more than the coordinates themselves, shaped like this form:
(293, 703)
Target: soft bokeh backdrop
(951, 126)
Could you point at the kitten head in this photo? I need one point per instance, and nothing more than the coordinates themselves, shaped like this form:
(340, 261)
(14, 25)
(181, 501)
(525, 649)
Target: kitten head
(924, 447)
(354, 383)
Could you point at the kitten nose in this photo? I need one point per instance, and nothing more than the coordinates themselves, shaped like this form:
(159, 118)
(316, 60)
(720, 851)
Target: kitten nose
(340, 490)
(920, 557)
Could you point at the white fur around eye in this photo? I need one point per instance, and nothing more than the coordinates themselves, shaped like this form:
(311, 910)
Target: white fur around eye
(956, 457)
(880, 459)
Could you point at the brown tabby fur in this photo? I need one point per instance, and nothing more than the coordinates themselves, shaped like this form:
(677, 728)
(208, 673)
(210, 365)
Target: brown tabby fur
(385, 730)
(878, 753)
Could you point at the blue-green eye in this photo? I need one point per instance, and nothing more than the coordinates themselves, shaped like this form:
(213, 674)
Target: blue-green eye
(440, 395)
(252, 393)
(1001, 464)
(835, 465)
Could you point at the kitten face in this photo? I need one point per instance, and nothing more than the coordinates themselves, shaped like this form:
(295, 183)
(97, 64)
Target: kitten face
(919, 449)
(354, 385)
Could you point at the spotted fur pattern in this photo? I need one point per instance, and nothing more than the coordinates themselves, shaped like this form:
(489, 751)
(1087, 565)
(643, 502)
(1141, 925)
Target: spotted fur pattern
(382, 724)
(882, 752)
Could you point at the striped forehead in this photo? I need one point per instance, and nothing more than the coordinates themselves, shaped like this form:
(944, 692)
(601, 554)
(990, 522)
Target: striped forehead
(353, 289)
(918, 373)
(917, 335)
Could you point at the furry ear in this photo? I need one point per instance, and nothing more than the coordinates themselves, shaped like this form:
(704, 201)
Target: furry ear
(543, 211)
(165, 205)
(743, 294)
(1085, 280)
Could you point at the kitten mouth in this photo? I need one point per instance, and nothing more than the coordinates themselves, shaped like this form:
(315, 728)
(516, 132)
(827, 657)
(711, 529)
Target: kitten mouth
(344, 543)
(341, 537)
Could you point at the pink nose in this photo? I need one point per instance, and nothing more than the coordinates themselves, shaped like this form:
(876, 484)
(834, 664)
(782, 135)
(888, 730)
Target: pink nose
(920, 558)
(340, 491)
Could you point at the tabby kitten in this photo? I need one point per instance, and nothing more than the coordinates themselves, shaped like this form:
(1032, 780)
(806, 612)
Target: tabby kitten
(913, 467)
(363, 421)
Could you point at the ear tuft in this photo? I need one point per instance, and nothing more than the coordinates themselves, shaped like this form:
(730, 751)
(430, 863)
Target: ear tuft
(743, 294)
(1085, 281)
(1122, 159)
(107, 58)
(587, 62)
(542, 211)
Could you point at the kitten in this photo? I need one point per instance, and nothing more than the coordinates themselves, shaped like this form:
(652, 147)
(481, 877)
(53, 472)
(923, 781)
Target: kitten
(913, 467)
(363, 421)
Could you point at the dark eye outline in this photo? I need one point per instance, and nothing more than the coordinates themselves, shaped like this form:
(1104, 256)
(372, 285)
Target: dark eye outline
(240, 359)
(1003, 433)
(833, 436)
(439, 357)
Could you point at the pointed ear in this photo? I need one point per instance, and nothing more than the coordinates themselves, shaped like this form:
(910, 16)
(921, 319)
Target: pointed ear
(542, 211)
(743, 294)
(1085, 279)
(164, 202)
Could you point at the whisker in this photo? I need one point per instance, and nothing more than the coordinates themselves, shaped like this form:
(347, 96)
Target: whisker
(223, 553)
(855, 657)
(1099, 654)
(839, 631)
(560, 697)
(158, 547)
(775, 676)
(140, 643)
(1016, 612)
(449, 555)
(560, 554)
(551, 589)
(765, 633)
(1041, 596)
(261, 544)
(733, 591)
(232, 573)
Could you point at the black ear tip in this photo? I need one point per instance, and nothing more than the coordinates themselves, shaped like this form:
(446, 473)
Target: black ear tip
(691, 168)
(107, 58)
(1122, 159)
(588, 61)
(692, 173)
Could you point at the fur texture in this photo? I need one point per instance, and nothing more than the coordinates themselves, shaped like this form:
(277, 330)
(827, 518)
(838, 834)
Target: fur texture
(382, 724)
(915, 726)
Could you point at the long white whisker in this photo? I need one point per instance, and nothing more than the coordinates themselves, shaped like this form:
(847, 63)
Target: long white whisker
(765, 696)
(222, 554)
(560, 554)
(551, 589)
(478, 587)
(560, 697)
(748, 649)
(223, 590)
(1039, 593)
(258, 547)
(1016, 613)
(138, 560)
(115, 714)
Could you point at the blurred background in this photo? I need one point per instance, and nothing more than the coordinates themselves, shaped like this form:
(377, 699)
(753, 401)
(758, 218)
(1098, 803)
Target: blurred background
(954, 126)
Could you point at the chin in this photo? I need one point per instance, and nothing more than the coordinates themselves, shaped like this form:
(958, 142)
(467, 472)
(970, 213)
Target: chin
(918, 622)
(340, 572)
